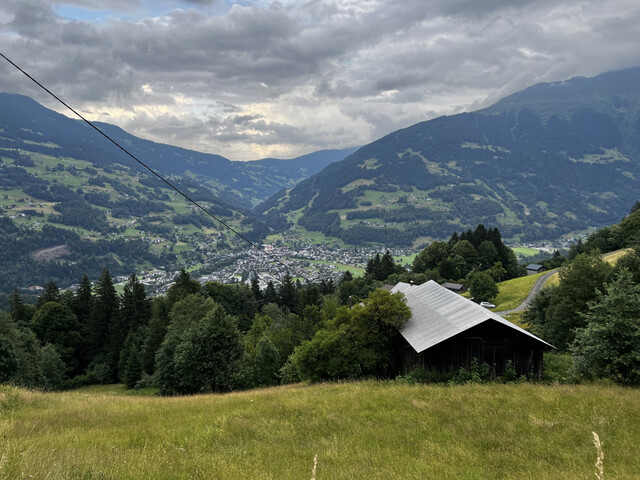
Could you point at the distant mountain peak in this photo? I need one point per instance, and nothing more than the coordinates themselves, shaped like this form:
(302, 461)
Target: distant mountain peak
(554, 158)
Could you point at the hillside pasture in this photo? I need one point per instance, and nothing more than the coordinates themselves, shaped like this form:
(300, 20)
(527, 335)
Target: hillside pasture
(524, 252)
(611, 258)
(374, 430)
(513, 292)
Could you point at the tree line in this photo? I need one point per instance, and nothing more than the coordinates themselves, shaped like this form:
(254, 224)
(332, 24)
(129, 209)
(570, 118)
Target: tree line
(593, 313)
(216, 338)
(196, 338)
(210, 337)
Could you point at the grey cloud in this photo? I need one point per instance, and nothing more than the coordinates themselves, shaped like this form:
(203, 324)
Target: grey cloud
(383, 64)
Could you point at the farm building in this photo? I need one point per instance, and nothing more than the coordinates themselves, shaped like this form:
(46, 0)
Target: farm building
(534, 268)
(447, 331)
(455, 287)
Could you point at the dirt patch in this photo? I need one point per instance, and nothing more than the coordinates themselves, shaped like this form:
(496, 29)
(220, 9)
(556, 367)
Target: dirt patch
(47, 254)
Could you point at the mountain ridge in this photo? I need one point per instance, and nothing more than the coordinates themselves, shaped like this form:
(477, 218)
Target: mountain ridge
(535, 175)
(241, 183)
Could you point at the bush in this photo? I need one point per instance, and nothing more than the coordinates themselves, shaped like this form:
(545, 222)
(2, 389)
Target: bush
(426, 375)
(476, 373)
(558, 368)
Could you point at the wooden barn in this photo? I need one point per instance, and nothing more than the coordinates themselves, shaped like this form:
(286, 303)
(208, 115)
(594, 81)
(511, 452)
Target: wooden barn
(447, 331)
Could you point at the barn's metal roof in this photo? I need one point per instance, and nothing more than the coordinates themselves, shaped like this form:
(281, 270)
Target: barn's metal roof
(534, 266)
(439, 314)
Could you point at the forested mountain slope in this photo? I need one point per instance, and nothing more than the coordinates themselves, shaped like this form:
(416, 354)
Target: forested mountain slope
(27, 125)
(551, 159)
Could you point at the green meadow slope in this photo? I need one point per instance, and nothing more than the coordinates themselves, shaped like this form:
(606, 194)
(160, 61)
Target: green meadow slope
(357, 430)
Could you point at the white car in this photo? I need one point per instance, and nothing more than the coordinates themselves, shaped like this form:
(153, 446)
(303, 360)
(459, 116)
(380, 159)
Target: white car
(487, 305)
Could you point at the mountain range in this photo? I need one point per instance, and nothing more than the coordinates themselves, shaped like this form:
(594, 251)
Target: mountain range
(72, 203)
(28, 126)
(552, 159)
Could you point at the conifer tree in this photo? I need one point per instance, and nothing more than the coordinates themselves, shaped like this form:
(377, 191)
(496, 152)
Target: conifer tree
(183, 286)
(136, 307)
(373, 267)
(270, 294)
(51, 294)
(156, 332)
(387, 266)
(255, 289)
(347, 276)
(133, 369)
(287, 293)
(105, 311)
(16, 308)
(82, 306)
(130, 364)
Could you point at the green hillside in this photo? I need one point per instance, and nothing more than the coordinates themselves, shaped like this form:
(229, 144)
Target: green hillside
(377, 430)
(63, 217)
(71, 203)
(26, 125)
(553, 159)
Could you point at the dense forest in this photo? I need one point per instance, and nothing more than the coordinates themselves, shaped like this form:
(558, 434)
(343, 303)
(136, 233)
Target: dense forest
(19, 267)
(216, 338)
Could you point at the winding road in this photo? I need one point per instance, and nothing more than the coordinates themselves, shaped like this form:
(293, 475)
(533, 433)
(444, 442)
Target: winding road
(532, 293)
(538, 286)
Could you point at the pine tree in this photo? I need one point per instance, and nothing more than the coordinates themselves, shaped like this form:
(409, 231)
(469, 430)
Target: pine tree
(387, 266)
(184, 285)
(51, 294)
(16, 308)
(136, 307)
(270, 294)
(287, 293)
(133, 369)
(255, 289)
(373, 267)
(83, 303)
(347, 276)
(156, 332)
(105, 311)
(309, 296)
(82, 306)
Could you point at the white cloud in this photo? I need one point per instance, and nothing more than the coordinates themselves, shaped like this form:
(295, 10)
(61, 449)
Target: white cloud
(269, 78)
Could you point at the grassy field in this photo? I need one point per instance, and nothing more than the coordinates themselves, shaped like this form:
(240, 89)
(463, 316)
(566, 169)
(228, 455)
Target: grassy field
(355, 271)
(513, 292)
(525, 251)
(405, 259)
(611, 258)
(373, 430)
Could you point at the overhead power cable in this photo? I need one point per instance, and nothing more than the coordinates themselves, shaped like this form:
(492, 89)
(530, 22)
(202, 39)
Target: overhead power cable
(152, 171)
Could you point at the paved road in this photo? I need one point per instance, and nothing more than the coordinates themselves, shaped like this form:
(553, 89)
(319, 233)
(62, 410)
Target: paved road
(534, 291)
(538, 286)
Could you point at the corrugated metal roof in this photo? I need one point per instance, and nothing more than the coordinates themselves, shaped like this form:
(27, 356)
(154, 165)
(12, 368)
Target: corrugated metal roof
(534, 266)
(439, 314)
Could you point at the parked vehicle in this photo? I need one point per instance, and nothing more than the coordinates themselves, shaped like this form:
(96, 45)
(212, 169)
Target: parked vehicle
(487, 305)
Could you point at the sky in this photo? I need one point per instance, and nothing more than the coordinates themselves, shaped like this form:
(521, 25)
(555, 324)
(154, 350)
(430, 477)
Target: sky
(255, 79)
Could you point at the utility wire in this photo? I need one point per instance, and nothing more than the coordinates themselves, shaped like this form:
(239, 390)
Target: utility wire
(167, 182)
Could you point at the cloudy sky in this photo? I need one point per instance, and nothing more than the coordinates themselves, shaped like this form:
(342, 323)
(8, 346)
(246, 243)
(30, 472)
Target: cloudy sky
(252, 79)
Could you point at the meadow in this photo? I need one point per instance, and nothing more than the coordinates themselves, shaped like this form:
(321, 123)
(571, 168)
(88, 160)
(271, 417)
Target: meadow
(371, 429)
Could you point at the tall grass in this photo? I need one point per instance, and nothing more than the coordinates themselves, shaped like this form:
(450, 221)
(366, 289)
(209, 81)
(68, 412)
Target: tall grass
(358, 430)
